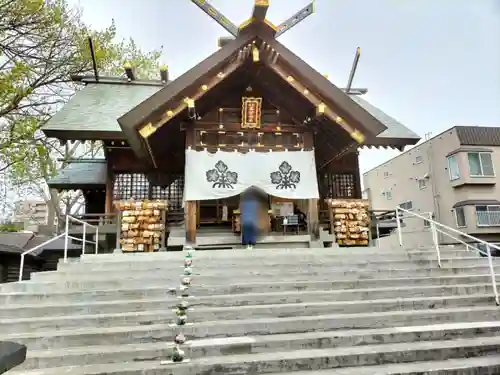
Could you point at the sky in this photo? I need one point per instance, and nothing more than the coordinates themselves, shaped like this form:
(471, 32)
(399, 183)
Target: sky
(430, 64)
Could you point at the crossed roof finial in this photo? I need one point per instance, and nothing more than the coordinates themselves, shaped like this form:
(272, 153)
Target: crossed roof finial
(258, 16)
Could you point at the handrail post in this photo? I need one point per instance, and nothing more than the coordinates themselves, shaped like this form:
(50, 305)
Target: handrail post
(83, 238)
(400, 235)
(96, 239)
(493, 276)
(21, 268)
(436, 242)
(378, 235)
(66, 239)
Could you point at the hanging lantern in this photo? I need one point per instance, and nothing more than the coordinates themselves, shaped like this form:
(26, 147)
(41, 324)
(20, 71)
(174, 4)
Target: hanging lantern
(186, 281)
(188, 271)
(188, 262)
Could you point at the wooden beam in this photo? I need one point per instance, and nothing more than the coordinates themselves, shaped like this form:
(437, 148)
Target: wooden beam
(265, 128)
(313, 212)
(294, 20)
(149, 129)
(190, 207)
(322, 109)
(217, 16)
(260, 10)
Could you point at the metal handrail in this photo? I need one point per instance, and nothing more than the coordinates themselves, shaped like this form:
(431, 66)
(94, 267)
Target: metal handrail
(67, 237)
(443, 228)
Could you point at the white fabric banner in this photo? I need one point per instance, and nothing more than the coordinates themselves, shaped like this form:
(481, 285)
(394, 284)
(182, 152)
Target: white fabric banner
(287, 174)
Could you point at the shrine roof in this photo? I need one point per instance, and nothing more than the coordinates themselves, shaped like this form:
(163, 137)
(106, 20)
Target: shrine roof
(93, 111)
(85, 173)
(396, 133)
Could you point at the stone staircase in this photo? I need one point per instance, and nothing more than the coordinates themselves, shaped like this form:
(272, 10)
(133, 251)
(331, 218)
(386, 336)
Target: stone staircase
(275, 311)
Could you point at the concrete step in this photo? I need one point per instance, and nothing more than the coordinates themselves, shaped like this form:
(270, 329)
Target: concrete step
(214, 265)
(160, 279)
(311, 359)
(167, 301)
(215, 276)
(161, 312)
(280, 252)
(101, 354)
(157, 289)
(132, 334)
(271, 255)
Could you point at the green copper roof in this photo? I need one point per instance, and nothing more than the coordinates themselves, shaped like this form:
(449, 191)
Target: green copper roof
(84, 173)
(97, 107)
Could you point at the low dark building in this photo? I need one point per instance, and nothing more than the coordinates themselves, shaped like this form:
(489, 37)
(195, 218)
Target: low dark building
(12, 245)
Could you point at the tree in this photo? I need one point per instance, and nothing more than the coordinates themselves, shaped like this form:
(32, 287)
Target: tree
(41, 47)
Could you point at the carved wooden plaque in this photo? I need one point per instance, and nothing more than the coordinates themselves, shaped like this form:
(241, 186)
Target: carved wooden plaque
(251, 111)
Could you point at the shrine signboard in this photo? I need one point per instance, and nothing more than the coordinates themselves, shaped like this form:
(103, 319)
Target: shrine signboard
(251, 112)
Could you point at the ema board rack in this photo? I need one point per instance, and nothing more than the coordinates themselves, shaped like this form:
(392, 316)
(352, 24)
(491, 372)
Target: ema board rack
(350, 221)
(142, 225)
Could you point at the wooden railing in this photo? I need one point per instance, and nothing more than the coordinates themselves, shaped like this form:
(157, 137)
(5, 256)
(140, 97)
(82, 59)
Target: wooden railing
(99, 219)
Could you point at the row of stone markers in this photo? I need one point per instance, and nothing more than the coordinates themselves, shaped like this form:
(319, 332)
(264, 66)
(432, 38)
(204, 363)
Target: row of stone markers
(178, 355)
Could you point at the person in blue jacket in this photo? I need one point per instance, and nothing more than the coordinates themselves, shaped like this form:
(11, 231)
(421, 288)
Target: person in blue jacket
(250, 218)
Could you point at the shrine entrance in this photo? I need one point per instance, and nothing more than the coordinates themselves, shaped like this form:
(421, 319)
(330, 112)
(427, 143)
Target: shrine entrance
(217, 212)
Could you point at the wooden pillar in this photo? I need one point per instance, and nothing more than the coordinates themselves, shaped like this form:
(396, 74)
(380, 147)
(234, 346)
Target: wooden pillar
(190, 218)
(190, 207)
(313, 213)
(108, 205)
(313, 218)
(358, 194)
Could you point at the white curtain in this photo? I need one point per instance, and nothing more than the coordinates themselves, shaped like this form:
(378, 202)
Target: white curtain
(287, 174)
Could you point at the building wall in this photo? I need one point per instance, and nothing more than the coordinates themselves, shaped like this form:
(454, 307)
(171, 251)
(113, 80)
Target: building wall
(399, 177)
(31, 213)
(419, 176)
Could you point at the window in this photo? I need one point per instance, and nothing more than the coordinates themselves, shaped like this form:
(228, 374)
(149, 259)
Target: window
(418, 160)
(407, 205)
(386, 174)
(480, 164)
(427, 224)
(422, 183)
(460, 217)
(388, 195)
(488, 216)
(453, 170)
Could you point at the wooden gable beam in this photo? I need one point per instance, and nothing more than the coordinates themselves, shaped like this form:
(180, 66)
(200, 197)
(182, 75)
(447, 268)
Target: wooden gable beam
(260, 10)
(189, 101)
(294, 20)
(217, 16)
(321, 108)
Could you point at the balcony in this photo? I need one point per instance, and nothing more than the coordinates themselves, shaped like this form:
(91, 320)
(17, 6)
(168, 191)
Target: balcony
(488, 218)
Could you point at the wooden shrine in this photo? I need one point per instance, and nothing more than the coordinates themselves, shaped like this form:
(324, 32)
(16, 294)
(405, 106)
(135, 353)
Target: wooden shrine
(251, 94)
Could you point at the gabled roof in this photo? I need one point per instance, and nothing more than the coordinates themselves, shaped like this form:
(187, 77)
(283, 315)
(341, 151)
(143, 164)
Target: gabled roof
(86, 174)
(142, 112)
(101, 128)
(330, 93)
(168, 102)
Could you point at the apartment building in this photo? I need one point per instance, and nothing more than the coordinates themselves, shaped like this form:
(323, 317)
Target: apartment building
(451, 175)
(32, 213)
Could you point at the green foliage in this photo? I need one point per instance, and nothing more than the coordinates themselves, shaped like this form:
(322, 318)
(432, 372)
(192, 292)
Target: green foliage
(10, 227)
(41, 47)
